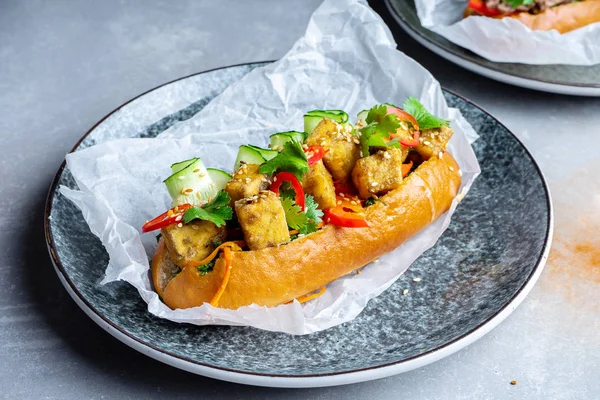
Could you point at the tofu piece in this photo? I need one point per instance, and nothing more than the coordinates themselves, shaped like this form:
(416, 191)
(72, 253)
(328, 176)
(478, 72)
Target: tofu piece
(433, 141)
(318, 183)
(262, 220)
(246, 182)
(344, 148)
(193, 241)
(379, 173)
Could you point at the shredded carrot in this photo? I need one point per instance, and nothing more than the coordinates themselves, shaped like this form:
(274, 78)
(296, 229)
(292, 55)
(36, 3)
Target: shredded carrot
(233, 245)
(295, 232)
(228, 267)
(308, 297)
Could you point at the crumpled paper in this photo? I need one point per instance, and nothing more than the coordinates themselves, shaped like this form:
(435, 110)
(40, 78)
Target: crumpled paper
(347, 60)
(508, 40)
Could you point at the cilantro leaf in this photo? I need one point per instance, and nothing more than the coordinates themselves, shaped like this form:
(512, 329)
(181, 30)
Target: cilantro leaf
(424, 118)
(216, 211)
(206, 268)
(378, 129)
(291, 159)
(313, 214)
(304, 222)
(294, 216)
(517, 3)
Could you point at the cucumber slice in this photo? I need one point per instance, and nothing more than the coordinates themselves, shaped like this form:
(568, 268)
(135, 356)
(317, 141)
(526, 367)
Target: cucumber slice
(362, 115)
(266, 153)
(219, 178)
(312, 118)
(248, 155)
(190, 183)
(279, 139)
(179, 166)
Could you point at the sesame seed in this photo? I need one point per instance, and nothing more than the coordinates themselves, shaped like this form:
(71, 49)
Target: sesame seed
(323, 143)
(180, 225)
(374, 184)
(376, 260)
(451, 168)
(460, 172)
(441, 154)
(248, 180)
(201, 174)
(197, 170)
(387, 155)
(427, 143)
(404, 292)
(342, 195)
(339, 202)
(353, 202)
(417, 280)
(460, 197)
(195, 227)
(356, 141)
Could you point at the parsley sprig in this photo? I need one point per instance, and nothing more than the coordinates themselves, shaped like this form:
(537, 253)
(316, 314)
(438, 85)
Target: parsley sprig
(216, 211)
(291, 159)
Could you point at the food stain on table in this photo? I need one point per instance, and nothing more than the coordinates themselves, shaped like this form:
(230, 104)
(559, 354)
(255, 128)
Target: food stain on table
(573, 268)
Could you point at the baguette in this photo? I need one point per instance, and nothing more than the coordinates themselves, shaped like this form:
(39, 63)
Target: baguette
(563, 18)
(276, 275)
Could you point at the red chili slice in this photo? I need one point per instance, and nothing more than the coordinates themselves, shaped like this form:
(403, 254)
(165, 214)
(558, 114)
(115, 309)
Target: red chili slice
(296, 185)
(317, 153)
(169, 217)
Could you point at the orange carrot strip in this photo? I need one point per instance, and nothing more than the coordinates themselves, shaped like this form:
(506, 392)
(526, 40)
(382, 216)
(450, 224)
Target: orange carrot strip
(228, 267)
(308, 297)
(233, 245)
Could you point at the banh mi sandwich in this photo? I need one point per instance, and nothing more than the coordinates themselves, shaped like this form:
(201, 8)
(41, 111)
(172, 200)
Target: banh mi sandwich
(313, 207)
(544, 15)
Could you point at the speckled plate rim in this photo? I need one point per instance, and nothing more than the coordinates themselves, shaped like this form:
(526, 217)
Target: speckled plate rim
(292, 381)
(496, 74)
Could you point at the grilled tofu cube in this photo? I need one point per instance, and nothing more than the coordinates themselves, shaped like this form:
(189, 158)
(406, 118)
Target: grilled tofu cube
(193, 241)
(344, 148)
(246, 182)
(433, 141)
(379, 173)
(262, 220)
(318, 183)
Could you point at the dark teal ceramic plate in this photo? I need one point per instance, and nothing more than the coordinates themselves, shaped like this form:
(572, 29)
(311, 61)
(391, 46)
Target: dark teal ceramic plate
(479, 271)
(563, 79)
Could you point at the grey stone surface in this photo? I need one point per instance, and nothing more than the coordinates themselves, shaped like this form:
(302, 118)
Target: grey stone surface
(64, 65)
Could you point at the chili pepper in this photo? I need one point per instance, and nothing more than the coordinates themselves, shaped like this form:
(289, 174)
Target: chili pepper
(318, 152)
(481, 8)
(296, 185)
(169, 217)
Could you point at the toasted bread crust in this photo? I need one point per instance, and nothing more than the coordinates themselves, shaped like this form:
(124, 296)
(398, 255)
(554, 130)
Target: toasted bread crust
(275, 275)
(564, 18)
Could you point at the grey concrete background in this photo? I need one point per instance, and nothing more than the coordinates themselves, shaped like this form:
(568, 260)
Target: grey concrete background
(66, 64)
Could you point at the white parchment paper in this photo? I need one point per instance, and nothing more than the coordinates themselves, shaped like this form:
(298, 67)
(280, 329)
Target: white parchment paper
(508, 40)
(347, 60)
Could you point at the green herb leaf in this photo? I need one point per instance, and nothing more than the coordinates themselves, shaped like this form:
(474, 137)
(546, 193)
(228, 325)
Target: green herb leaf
(304, 222)
(216, 211)
(424, 118)
(206, 268)
(291, 159)
(517, 3)
(379, 126)
(313, 214)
